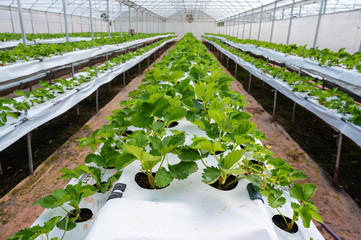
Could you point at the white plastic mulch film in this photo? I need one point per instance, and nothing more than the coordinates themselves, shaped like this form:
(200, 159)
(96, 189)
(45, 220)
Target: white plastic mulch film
(42, 113)
(328, 115)
(188, 209)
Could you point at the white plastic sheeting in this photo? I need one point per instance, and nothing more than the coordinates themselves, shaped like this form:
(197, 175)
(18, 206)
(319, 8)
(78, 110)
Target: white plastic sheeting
(186, 209)
(348, 79)
(328, 115)
(42, 113)
(20, 70)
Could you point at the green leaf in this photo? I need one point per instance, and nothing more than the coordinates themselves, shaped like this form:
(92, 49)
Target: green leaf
(210, 175)
(163, 177)
(298, 175)
(275, 199)
(141, 121)
(51, 223)
(156, 143)
(66, 224)
(256, 181)
(306, 216)
(175, 114)
(188, 154)
(169, 143)
(309, 191)
(68, 173)
(123, 160)
(158, 127)
(19, 93)
(232, 158)
(183, 169)
(147, 160)
(296, 192)
(56, 199)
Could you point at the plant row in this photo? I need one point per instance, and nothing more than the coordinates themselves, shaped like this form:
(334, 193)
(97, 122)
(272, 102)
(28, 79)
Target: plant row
(38, 36)
(330, 98)
(324, 57)
(97, 166)
(40, 51)
(188, 84)
(16, 107)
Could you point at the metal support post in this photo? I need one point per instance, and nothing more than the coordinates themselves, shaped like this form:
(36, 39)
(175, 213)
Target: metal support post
(227, 61)
(47, 21)
(1, 169)
(273, 21)
(293, 112)
(260, 24)
(72, 70)
(31, 21)
(146, 23)
(12, 23)
(129, 18)
(97, 100)
(249, 82)
(148, 61)
(81, 23)
(338, 156)
(66, 22)
(235, 70)
(239, 22)
(290, 23)
(142, 22)
(30, 154)
(250, 27)
(318, 24)
(123, 78)
(108, 18)
(121, 20)
(20, 11)
(136, 21)
(61, 26)
(72, 24)
(244, 23)
(153, 24)
(274, 103)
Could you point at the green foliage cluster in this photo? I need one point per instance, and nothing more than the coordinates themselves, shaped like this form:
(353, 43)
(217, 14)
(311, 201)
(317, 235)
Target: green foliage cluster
(187, 84)
(324, 57)
(40, 51)
(330, 98)
(38, 36)
(13, 108)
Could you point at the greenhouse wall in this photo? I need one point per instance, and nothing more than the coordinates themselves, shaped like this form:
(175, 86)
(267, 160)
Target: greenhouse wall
(303, 31)
(40, 22)
(202, 23)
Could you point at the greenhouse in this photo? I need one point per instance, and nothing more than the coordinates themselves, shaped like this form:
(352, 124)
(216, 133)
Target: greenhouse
(192, 119)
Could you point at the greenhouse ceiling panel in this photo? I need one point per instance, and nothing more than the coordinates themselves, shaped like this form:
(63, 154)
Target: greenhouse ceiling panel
(220, 10)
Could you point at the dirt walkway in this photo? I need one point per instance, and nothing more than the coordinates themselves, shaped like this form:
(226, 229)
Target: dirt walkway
(336, 207)
(16, 210)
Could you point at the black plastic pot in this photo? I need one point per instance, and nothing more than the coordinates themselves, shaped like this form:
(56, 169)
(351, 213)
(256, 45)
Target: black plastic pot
(279, 221)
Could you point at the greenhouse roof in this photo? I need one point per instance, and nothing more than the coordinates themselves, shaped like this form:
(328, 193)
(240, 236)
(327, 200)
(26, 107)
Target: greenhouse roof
(217, 9)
